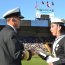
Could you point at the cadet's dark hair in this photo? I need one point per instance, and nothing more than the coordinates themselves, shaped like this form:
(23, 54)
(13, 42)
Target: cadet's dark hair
(62, 28)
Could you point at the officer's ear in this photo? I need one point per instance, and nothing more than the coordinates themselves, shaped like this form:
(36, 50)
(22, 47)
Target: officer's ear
(14, 20)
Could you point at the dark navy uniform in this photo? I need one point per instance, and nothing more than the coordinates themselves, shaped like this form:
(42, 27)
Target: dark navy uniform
(60, 52)
(11, 49)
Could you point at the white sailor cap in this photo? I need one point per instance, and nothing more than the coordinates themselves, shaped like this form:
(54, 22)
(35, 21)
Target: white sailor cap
(56, 20)
(14, 12)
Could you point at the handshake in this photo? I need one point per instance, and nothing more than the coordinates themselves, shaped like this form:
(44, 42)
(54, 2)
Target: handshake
(41, 51)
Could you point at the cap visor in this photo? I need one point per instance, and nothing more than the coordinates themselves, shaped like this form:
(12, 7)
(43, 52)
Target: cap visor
(21, 17)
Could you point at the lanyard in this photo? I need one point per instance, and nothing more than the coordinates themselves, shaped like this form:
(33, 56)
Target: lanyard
(55, 43)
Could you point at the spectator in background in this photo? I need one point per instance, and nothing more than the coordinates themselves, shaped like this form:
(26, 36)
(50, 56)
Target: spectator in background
(11, 50)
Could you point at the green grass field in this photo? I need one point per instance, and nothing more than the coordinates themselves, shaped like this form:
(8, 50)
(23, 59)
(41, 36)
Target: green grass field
(36, 60)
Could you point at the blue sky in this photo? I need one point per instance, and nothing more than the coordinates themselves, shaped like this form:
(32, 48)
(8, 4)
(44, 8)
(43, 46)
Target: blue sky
(28, 7)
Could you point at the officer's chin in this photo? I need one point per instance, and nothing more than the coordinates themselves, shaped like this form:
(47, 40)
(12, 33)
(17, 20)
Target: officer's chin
(18, 27)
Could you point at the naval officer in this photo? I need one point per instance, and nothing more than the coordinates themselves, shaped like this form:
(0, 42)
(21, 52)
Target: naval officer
(11, 50)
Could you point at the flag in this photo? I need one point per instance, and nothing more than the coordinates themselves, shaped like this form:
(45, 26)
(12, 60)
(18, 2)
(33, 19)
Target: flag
(48, 5)
(36, 5)
(52, 3)
(42, 2)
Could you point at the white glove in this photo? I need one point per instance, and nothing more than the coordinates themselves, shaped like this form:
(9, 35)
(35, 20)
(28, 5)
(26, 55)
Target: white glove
(51, 59)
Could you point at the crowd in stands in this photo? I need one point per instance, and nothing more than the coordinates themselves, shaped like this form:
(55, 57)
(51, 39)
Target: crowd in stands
(35, 39)
(34, 43)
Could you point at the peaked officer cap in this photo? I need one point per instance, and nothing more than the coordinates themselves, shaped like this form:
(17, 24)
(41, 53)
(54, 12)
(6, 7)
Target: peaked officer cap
(13, 12)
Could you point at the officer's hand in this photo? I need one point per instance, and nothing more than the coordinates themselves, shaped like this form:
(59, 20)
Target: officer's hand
(33, 51)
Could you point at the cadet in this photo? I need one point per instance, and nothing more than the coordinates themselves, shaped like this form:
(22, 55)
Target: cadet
(57, 57)
(58, 50)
